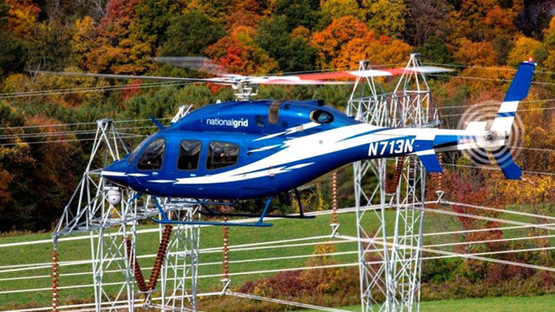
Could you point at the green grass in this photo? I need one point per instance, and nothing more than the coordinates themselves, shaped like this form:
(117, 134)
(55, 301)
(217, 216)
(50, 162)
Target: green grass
(497, 304)
(210, 237)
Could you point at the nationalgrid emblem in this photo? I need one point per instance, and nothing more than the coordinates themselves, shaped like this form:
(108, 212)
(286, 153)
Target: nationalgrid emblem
(235, 123)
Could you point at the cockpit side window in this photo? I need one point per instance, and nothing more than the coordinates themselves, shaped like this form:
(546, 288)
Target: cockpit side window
(222, 154)
(189, 154)
(152, 157)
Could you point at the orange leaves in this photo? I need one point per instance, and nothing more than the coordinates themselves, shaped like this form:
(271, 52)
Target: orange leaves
(238, 53)
(111, 46)
(348, 40)
(476, 53)
(383, 51)
(329, 41)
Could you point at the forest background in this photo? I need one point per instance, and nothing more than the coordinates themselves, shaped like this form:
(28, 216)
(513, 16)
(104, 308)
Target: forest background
(47, 123)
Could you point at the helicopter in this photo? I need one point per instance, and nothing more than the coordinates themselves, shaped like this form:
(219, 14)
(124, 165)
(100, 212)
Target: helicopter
(250, 149)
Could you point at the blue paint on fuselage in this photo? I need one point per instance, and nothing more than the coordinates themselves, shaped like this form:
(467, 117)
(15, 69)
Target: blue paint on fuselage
(245, 124)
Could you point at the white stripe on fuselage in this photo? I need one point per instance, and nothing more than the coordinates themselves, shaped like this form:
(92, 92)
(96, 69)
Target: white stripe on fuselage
(315, 145)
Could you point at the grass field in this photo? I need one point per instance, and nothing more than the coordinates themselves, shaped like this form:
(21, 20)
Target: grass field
(496, 304)
(76, 275)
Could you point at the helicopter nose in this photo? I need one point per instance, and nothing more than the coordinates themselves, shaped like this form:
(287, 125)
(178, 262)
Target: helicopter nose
(116, 172)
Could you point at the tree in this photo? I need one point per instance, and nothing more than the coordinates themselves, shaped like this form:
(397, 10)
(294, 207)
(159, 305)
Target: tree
(429, 19)
(382, 50)
(13, 54)
(475, 53)
(334, 9)
(190, 34)
(217, 10)
(239, 53)
(50, 46)
(488, 18)
(297, 12)
(152, 20)
(387, 17)
(4, 11)
(116, 49)
(298, 55)
(83, 41)
(435, 51)
(549, 45)
(523, 49)
(21, 17)
(329, 42)
(292, 51)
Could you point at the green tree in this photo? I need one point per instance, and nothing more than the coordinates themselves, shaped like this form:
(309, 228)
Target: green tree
(153, 19)
(50, 46)
(298, 12)
(4, 11)
(435, 51)
(13, 53)
(190, 34)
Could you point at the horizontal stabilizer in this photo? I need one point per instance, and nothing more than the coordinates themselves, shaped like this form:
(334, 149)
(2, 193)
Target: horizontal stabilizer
(505, 161)
(429, 161)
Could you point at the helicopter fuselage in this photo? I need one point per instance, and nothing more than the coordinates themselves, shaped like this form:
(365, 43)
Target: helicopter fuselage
(252, 149)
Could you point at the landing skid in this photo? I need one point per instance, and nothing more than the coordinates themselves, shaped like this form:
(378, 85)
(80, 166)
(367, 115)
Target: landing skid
(212, 213)
(259, 223)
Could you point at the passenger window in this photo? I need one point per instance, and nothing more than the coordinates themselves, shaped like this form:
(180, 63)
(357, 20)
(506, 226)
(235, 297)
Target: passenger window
(222, 154)
(189, 153)
(152, 157)
(321, 117)
(260, 120)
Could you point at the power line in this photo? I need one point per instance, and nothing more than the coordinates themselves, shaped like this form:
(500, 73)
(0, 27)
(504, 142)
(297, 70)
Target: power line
(486, 67)
(498, 169)
(490, 79)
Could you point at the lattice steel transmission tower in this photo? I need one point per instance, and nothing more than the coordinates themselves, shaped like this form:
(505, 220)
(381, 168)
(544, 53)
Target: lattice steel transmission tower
(112, 224)
(390, 256)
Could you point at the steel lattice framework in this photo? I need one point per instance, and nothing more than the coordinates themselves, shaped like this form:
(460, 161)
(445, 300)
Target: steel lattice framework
(390, 268)
(113, 236)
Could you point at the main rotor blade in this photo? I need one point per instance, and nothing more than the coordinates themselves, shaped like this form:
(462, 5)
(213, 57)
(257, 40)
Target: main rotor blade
(139, 77)
(374, 73)
(198, 63)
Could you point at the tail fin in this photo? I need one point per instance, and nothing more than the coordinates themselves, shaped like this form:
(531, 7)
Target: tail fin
(517, 91)
(502, 124)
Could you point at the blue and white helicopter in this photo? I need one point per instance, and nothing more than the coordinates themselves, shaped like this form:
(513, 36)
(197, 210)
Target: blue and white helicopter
(254, 149)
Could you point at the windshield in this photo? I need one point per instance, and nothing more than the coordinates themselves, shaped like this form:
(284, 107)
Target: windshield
(139, 147)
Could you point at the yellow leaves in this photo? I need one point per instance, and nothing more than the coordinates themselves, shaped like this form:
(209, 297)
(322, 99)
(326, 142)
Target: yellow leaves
(524, 48)
(83, 40)
(22, 15)
(17, 83)
(539, 190)
(339, 8)
(549, 45)
(387, 17)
